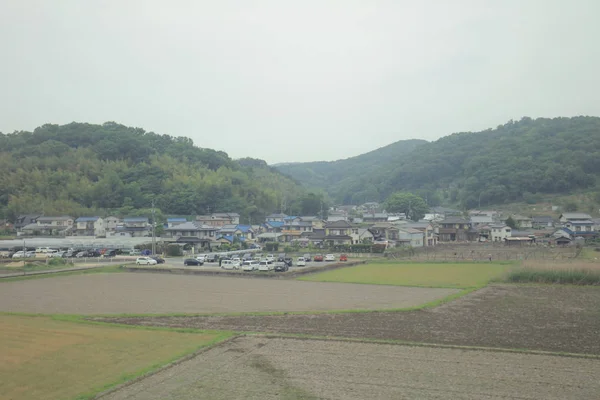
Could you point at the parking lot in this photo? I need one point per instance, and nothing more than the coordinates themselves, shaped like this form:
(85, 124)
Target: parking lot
(214, 266)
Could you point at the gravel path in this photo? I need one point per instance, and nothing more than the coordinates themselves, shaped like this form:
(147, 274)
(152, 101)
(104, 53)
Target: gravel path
(550, 318)
(159, 293)
(261, 368)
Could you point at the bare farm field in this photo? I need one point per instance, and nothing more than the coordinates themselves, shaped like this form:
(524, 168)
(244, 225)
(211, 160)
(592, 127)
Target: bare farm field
(284, 368)
(142, 293)
(544, 318)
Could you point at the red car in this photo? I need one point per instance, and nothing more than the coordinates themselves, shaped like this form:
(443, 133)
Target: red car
(343, 257)
(318, 257)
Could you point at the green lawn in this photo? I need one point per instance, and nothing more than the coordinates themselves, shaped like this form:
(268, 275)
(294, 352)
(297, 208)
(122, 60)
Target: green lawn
(447, 275)
(46, 358)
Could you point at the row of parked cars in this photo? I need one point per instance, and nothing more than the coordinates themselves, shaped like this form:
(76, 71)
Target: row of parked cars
(259, 262)
(60, 253)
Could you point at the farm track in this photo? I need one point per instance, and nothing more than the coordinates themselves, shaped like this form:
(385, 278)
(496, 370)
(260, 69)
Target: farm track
(544, 318)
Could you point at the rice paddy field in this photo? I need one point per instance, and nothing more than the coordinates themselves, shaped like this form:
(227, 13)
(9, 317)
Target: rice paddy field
(444, 275)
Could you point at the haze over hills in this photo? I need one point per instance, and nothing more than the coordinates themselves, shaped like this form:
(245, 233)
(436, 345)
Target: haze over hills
(86, 169)
(519, 160)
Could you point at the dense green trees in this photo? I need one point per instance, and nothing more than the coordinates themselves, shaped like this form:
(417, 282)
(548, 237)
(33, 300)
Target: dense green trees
(516, 161)
(80, 169)
(413, 206)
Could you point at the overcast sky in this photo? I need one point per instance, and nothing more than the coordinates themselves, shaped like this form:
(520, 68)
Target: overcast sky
(297, 80)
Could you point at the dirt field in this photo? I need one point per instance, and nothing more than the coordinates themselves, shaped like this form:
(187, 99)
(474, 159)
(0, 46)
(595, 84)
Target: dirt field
(550, 318)
(159, 293)
(261, 368)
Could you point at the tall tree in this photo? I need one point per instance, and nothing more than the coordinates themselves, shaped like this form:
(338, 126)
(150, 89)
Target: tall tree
(413, 206)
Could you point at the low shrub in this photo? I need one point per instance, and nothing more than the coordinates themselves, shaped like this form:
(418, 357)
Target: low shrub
(57, 262)
(556, 276)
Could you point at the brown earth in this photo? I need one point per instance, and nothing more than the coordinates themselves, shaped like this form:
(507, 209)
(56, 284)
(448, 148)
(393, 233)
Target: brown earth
(143, 293)
(277, 368)
(548, 318)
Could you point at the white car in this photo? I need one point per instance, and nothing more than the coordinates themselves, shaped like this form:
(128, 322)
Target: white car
(201, 257)
(229, 264)
(329, 257)
(301, 262)
(19, 254)
(270, 257)
(145, 261)
(55, 254)
(265, 265)
(250, 265)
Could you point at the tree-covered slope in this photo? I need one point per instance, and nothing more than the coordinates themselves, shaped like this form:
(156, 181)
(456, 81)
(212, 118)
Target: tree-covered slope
(515, 161)
(333, 175)
(82, 168)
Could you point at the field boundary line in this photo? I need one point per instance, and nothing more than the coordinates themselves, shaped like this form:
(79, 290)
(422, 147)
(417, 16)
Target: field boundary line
(166, 366)
(396, 342)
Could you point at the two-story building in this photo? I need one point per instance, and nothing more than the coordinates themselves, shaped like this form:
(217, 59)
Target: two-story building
(136, 227)
(219, 219)
(192, 233)
(111, 223)
(49, 226)
(276, 217)
(385, 232)
(456, 229)
(89, 226)
(374, 217)
(338, 232)
(542, 222)
(410, 237)
(430, 238)
(522, 221)
(499, 233)
(171, 222)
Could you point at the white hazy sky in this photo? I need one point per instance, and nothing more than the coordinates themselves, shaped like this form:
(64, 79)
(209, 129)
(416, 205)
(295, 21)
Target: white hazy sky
(297, 80)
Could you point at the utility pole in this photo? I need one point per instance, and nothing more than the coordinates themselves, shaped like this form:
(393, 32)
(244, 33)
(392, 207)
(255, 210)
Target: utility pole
(24, 252)
(153, 228)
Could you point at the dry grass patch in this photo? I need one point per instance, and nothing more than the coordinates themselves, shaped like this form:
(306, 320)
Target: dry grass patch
(45, 358)
(445, 275)
(577, 272)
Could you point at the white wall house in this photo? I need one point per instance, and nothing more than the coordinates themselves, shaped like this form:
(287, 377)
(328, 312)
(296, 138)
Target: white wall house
(500, 232)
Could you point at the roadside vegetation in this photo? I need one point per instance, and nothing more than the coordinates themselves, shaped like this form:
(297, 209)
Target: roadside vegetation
(58, 358)
(575, 273)
(442, 275)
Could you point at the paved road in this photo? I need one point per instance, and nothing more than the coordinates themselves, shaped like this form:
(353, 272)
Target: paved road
(261, 368)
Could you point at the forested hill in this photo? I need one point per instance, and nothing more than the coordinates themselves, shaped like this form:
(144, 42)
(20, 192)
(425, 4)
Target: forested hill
(79, 169)
(516, 161)
(331, 174)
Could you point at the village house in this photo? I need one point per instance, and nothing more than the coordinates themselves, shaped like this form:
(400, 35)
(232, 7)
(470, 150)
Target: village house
(410, 237)
(89, 226)
(49, 226)
(192, 233)
(337, 215)
(429, 236)
(456, 229)
(374, 217)
(276, 217)
(171, 222)
(24, 220)
(338, 232)
(574, 216)
(316, 222)
(542, 222)
(521, 221)
(135, 227)
(499, 233)
(385, 232)
(578, 225)
(111, 223)
(218, 219)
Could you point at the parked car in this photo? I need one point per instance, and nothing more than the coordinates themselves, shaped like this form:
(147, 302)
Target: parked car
(70, 253)
(110, 253)
(229, 264)
(307, 257)
(19, 254)
(329, 257)
(281, 266)
(301, 262)
(257, 257)
(247, 256)
(211, 258)
(159, 260)
(55, 254)
(145, 261)
(281, 256)
(201, 257)
(265, 265)
(30, 254)
(236, 260)
(250, 265)
(318, 257)
(288, 261)
(270, 257)
(192, 261)
(343, 257)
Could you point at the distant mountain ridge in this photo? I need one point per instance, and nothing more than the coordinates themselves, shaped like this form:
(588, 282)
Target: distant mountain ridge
(516, 161)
